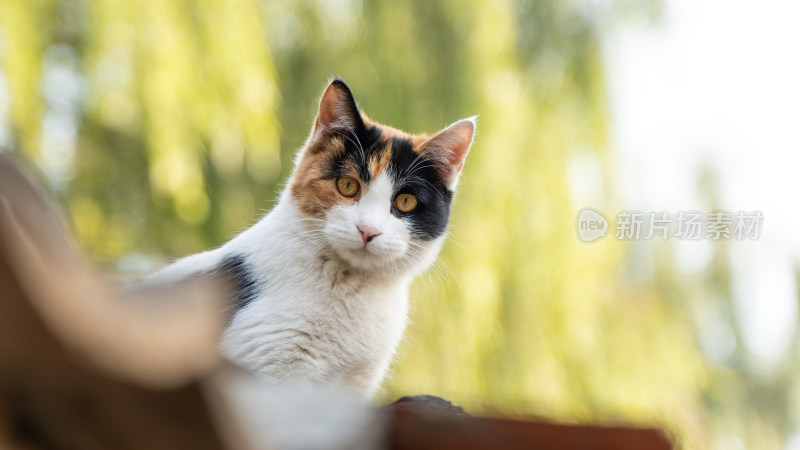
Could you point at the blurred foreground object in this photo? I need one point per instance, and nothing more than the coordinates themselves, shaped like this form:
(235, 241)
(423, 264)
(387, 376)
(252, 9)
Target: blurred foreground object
(82, 367)
(79, 369)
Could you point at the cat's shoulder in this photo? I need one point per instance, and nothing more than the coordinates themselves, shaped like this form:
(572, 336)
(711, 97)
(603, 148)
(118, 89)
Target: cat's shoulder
(187, 267)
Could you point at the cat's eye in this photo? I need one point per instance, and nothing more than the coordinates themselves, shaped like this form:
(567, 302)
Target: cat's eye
(348, 186)
(405, 202)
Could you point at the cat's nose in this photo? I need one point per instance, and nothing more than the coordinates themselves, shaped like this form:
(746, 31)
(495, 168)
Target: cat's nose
(368, 233)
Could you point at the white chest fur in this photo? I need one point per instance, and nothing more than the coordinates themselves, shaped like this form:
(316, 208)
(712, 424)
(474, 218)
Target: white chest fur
(304, 329)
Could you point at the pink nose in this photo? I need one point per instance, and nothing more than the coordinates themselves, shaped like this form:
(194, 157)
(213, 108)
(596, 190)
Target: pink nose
(368, 233)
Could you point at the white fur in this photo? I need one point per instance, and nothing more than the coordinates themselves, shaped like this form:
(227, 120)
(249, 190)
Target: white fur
(330, 309)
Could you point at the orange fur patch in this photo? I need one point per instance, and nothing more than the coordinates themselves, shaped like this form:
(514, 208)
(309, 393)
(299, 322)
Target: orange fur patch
(389, 132)
(379, 162)
(315, 191)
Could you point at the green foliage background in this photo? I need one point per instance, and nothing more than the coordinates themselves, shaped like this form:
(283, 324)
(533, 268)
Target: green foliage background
(169, 125)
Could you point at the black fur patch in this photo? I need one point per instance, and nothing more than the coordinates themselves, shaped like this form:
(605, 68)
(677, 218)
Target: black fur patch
(237, 274)
(361, 145)
(413, 174)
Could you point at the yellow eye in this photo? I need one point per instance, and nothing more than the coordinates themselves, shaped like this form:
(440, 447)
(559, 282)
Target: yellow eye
(347, 186)
(405, 202)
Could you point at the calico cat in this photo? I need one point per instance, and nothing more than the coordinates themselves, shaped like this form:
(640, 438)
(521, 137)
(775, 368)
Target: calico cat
(321, 282)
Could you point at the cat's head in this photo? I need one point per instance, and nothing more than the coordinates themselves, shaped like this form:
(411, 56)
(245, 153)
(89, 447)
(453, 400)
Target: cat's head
(378, 197)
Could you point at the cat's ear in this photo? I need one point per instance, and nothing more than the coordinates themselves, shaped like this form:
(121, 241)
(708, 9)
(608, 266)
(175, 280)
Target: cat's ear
(338, 109)
(449, 147)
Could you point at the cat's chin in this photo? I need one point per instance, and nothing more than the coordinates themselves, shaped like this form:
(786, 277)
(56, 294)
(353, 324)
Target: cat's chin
(366, 261)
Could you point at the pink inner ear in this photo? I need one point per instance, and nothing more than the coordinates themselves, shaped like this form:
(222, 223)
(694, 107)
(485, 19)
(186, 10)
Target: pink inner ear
(337, 107)
(463, 132)
(451, 145)
(331, 106)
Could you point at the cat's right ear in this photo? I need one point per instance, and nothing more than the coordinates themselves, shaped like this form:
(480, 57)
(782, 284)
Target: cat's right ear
(448, 148)
(337, 109)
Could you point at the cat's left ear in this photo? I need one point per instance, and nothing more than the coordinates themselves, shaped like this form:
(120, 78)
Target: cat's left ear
(338, 109)
(449, 147)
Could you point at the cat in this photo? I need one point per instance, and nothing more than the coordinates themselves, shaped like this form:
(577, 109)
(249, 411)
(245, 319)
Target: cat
(321, 282)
